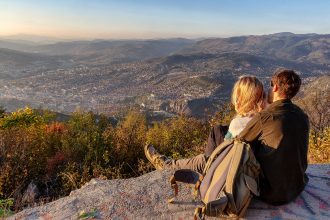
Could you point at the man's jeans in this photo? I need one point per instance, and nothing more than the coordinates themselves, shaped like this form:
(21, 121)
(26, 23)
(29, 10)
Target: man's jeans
(198, 162)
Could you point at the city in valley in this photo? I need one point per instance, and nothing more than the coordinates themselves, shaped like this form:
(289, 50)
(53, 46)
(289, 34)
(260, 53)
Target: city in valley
(168, 76)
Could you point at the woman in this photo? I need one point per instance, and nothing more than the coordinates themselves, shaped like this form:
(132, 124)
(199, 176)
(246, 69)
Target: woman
(248, 97)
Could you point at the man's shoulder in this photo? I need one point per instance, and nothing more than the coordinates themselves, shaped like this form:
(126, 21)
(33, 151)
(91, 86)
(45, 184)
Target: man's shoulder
(298, 109)
(279, 107)
(280, 111)
(263, 115)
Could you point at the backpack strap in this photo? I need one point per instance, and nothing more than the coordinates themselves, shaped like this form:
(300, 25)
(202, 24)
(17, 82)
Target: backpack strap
(235, 162)
(185, 176)
(242, 212)
(199, 213)
(197, 185)
(199, 181)
(215, 153)
(175, 189)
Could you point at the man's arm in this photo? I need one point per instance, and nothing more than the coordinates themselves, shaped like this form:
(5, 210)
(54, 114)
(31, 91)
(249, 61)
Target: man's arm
(252, 131)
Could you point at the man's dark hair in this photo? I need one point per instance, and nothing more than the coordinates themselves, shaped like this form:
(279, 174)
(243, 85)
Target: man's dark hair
(288, 82)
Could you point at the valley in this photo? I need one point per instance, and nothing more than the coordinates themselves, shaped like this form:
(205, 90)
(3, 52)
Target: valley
(170, 76)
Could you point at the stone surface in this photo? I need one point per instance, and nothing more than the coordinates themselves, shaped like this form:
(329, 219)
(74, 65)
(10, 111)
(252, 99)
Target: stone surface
(145, 197)
(30, 194)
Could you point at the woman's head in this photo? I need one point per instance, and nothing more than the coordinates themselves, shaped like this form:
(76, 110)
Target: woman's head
(248, 95)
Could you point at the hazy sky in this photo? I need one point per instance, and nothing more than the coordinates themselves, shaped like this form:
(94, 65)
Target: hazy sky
(162, 18)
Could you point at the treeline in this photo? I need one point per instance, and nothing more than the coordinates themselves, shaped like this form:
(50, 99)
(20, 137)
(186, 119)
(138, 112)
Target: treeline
(57, 157)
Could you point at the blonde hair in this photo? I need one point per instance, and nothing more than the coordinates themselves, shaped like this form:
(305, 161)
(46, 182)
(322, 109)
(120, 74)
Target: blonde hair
(248, 95)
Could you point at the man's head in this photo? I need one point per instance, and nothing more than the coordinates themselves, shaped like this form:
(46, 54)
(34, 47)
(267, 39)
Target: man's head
(285, 84)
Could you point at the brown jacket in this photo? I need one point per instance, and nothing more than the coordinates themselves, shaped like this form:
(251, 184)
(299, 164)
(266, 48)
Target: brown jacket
(279, 138)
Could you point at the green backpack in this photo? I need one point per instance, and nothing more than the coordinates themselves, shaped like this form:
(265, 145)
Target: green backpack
(229, 180)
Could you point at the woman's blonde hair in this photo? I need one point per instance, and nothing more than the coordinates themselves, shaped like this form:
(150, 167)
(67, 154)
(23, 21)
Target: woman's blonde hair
(248, 95)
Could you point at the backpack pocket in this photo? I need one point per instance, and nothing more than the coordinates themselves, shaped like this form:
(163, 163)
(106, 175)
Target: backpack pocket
(216, 207)
(251, 184)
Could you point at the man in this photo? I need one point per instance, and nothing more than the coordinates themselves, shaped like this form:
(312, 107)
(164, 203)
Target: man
(279, 137)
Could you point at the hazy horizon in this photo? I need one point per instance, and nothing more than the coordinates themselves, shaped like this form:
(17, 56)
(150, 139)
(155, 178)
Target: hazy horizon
(22, 36)
(148, 19)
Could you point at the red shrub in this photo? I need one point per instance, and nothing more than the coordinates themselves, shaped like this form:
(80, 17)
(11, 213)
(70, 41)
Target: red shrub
(56, 127)
(54, 162)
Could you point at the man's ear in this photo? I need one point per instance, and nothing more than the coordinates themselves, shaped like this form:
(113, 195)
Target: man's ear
(275, 88)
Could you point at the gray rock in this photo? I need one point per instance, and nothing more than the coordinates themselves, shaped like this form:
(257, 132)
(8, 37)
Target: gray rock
(145, 197)
(30, 194)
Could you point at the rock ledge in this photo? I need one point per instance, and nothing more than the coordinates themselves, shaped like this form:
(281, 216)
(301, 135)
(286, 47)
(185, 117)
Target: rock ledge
(145, 197)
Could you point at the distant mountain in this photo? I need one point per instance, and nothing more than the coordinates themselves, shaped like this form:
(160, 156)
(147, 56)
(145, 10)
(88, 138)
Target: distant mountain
(238, 62)
(311, 48)
(296, 47)
(35, 39)
(98, 52)
(16, 64)
(16, 44)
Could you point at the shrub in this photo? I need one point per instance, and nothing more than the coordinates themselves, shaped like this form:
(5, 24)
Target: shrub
(316, 104)
(179, 137)
(23, 159)
(129, 138)
(62, 156)
(223, 116)
(5, 205)
(319, 146)
(2, 111)
(22, 117)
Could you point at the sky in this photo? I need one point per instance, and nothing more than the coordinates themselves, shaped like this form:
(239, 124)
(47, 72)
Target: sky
(128, 19)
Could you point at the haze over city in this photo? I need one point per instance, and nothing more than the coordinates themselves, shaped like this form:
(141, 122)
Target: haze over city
(161, 19)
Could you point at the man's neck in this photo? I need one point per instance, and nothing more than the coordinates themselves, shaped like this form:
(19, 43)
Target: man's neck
(277, 98)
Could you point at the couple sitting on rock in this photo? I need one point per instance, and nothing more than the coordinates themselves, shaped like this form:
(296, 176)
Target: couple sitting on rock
(276, 129)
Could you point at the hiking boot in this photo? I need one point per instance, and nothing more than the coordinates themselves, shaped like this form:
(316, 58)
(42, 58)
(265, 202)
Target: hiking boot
(159, 161)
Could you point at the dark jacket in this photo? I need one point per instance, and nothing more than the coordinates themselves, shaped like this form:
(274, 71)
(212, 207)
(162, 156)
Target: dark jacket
(279, 138)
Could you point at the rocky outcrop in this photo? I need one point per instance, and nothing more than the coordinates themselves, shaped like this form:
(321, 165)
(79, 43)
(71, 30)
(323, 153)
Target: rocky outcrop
(145, 197)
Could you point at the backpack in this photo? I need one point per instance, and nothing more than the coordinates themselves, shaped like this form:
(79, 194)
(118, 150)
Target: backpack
(228, 182)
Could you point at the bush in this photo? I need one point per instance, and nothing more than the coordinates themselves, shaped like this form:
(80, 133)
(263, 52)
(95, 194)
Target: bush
(23, 158)
(2, 111)
(316, 104)
(179, 137)
(57, 156)
(5, 206)
(62, 156)
(319, 146)
(130, 136)
(223, 116)
(22, 117)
